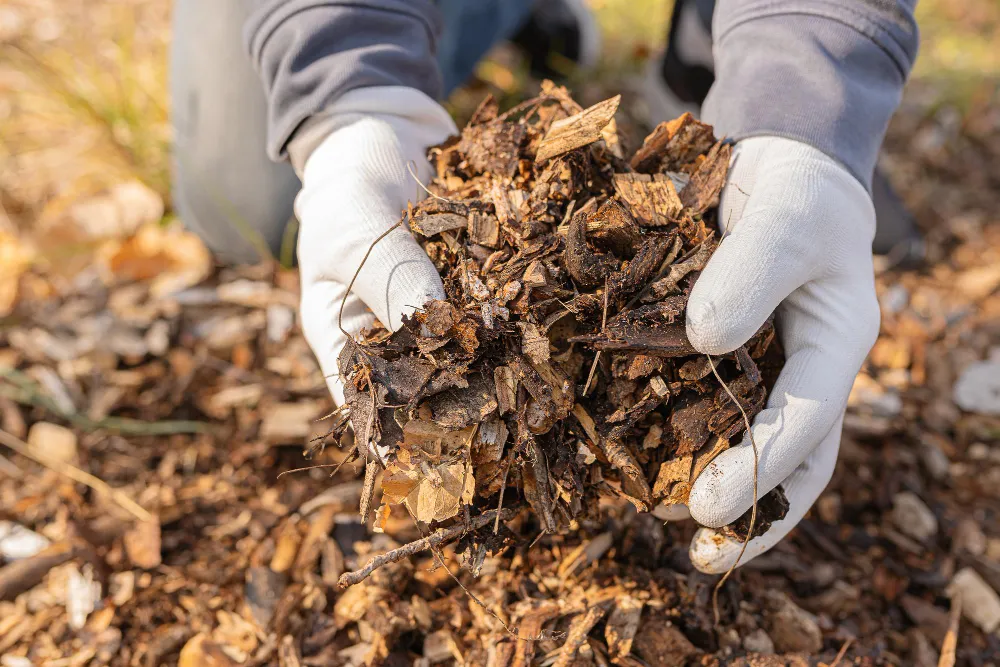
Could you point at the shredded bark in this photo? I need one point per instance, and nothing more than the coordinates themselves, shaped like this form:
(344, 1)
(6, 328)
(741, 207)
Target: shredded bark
(567, 275)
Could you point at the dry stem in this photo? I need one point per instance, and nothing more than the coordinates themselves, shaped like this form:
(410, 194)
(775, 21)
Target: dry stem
(753, 508)
(842, 652)
(77, 475)
(436, 538)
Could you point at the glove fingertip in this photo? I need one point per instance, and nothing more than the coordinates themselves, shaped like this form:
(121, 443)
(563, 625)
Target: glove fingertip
(717, 498)
(714, 553)
(711, 552)
(702, 326)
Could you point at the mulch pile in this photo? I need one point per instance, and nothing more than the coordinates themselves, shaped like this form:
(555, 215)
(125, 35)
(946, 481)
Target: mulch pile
(557, 371)
(148, 414)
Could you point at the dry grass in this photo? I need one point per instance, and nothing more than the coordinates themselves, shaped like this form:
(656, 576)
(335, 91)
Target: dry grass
(85, 101)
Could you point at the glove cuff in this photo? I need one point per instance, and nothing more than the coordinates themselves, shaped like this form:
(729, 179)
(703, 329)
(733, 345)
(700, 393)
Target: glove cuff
(429, 122)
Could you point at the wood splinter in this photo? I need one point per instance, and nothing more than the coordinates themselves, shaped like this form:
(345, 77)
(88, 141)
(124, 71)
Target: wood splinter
(435, 539)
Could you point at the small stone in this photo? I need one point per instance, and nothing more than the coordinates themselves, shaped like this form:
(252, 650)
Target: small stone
(52, 441)
(912, 517)
(931, 619)
(790, 627)
(143, 544)
(280, 320)
(823, 574)
(758, 641)
(979, 451)
(729, 639)
(869, 395)
(17, 542)
(661, 644)
(978, 388)
(933, 457)
(969, 538)
(980, 603)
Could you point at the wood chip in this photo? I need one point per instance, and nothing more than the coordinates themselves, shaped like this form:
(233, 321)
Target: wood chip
(577, 130)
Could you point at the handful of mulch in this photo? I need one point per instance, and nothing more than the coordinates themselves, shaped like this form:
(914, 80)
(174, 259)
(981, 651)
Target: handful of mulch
(557, 371)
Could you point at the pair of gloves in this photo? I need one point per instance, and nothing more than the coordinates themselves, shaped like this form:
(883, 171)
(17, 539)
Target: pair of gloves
(798, 242)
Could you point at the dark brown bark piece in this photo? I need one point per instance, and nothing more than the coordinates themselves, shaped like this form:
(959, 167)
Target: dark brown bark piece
(456, 409)
(492, 147)
(770, 508)
(641, 268)
(664, 341)
(612, 228)
(435, 223)
(702, 191)
(747, 365)
(672, 144)
(587, 266)
(690, 425)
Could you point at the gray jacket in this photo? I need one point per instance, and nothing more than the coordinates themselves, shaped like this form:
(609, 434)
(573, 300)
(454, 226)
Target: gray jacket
(826, 72)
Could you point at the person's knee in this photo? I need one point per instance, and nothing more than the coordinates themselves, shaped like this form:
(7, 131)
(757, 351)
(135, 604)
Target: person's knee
(241, 221)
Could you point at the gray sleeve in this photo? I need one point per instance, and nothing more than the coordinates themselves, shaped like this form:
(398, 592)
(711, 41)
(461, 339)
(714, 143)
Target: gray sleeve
(829, 73)
(309, 52)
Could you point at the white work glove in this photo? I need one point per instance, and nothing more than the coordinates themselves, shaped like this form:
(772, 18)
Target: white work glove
(799, 242)
(355, 186)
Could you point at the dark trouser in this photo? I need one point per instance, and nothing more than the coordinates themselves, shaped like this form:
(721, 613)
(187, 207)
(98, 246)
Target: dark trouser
(225, 188)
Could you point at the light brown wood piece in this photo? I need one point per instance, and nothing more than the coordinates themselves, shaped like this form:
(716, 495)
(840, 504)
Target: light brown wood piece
(578, 130)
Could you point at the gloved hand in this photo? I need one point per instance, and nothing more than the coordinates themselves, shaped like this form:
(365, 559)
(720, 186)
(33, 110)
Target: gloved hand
(355, 185)
(799, 242)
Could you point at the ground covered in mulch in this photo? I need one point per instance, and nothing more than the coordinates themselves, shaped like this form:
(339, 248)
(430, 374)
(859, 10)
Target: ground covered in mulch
(149, 405)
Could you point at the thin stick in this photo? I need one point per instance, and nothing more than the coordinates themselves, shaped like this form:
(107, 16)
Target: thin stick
(350, 286)
(950, 644)
(338, 466)
(597, 357)
(503, 486)
(77, 475)
(434, 539)
(409, 168)
(842, 652)
(753, 509)
(23, 575)
(514, 634)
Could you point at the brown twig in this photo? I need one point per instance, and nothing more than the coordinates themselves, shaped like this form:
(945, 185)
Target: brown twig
(350, 285)
(25, 574)
(753, 508)
(436, 538)
(578, 631)
(503, 486)
(77, 475)
(950, 644)
(842, 652)
(409, 168)
(597, 357)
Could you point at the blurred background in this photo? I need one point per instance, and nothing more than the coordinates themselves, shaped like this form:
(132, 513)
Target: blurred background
(149, 398)
(85, 106)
